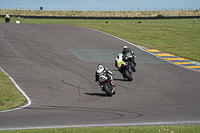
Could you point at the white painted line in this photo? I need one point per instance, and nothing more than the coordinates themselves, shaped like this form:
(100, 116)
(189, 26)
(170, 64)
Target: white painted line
(111, 125)
(27, 98)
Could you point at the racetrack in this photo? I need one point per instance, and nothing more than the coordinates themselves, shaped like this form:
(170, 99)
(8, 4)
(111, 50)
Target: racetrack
(55, 66)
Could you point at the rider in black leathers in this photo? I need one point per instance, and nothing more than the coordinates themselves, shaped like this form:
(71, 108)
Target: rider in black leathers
(127, 50)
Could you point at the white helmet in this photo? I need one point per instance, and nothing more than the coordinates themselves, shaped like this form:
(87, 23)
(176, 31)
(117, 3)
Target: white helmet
(100, 68)
(120, 55)
(125, 47)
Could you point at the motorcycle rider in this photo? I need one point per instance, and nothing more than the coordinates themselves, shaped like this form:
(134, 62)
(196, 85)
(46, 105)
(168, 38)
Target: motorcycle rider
(7, 18)
(103, 70)
(127, 50)
(118, 62)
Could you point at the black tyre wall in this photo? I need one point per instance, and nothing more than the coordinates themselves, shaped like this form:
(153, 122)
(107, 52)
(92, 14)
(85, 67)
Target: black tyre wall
(127, 75)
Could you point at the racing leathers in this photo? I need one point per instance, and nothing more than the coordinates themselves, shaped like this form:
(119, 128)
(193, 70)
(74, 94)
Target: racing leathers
(127, 51)
(118, 62)
(128, 56)
(103, 71)
(7, 18)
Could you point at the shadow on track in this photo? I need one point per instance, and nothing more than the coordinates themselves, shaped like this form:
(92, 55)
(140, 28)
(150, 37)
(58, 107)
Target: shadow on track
(121, 80)
(97, 94)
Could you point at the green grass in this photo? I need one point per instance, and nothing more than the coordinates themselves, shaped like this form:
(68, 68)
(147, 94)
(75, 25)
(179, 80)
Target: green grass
(131, 129)
(10, 97)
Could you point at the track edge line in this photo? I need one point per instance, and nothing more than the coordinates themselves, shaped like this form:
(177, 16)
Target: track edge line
(23, 93)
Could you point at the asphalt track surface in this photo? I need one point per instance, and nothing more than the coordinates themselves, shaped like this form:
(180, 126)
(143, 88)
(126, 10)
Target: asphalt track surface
(55, 66)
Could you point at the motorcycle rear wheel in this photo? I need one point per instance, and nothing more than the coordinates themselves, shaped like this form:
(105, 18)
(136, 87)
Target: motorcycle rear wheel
(127, 75)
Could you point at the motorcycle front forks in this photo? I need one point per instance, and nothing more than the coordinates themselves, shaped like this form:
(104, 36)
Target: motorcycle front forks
(112, 82)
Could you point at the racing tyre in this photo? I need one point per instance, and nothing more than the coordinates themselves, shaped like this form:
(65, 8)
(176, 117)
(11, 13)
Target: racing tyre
(107, 89)
(7, 20)
(127, 75)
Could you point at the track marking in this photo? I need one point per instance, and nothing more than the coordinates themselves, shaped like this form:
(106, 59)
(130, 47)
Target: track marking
(164, 54)
(192, 66)
(186, 63)
(111, 125)
(153, 50)
(171, 59)
(23, 93)
(182, 63)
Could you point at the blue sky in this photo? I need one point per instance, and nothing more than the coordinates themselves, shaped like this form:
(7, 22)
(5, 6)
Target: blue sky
(100, 5)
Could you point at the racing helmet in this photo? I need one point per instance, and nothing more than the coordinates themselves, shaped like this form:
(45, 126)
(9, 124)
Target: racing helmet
(120, 54)
(125, 47)
(99, 67)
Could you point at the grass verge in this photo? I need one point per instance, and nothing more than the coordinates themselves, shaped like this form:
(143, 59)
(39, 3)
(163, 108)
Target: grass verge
(10, 97)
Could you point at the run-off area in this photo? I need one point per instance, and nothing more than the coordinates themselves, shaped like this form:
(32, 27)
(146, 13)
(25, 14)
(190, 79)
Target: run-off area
(100, 55)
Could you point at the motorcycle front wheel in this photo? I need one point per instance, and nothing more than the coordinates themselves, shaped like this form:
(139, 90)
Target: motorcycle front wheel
(132, 66)
(107, 89)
